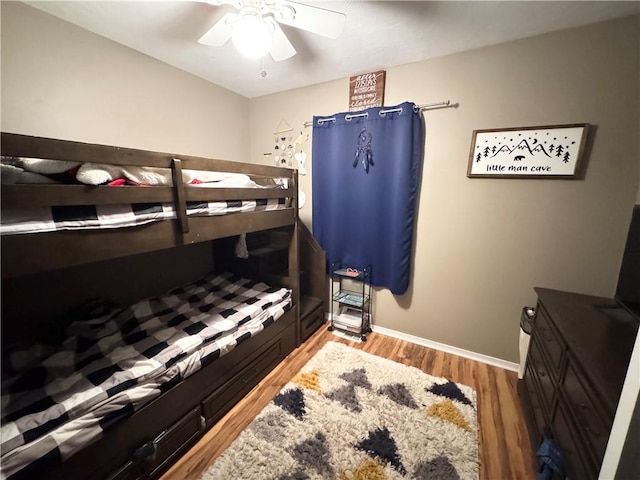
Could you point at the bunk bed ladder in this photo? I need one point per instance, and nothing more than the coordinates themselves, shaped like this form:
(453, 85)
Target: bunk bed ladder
(314, 289)
(178, 187)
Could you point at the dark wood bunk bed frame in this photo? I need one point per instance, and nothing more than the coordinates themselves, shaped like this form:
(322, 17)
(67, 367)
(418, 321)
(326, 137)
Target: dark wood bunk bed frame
(136, 262)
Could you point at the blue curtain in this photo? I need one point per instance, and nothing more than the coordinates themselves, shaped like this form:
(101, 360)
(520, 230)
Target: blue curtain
(366, 175)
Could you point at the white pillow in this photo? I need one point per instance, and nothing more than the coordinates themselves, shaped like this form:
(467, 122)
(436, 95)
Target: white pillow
(239, 181)
(148, 175)
(98, 173)
(12, 175)
(205, 176)
(47, 167)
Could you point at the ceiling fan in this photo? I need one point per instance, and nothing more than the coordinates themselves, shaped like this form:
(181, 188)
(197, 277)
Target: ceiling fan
(255, 29)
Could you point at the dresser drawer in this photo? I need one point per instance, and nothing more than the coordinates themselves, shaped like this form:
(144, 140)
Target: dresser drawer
(582, 403)
(579, 465)
(540, 372)
(538, 416)
(550, 340)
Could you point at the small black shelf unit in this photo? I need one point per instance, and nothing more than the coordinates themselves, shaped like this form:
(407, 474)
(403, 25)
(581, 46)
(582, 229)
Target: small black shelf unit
(351, 299)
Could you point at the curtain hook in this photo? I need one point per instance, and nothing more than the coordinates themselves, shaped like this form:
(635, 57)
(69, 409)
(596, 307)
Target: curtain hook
(383, 113)
(348, 117)
(321, 121)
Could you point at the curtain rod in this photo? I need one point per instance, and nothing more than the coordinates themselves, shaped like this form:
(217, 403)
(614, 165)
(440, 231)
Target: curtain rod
(427, 106)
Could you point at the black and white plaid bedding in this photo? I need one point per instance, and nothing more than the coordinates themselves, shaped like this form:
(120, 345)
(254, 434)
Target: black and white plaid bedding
(79, 217)
(114, 364)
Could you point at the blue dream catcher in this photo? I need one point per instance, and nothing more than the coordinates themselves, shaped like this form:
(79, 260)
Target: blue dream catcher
(363, 150)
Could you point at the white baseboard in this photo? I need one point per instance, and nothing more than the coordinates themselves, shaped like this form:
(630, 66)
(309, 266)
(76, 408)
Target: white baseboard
(478, 357)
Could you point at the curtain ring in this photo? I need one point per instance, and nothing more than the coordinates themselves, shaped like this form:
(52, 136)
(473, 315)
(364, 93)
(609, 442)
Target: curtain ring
(383, 113)
(416, 109)
(348, 117)
(323, 120)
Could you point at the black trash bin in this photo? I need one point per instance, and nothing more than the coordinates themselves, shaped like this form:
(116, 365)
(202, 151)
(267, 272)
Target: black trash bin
(526, 326)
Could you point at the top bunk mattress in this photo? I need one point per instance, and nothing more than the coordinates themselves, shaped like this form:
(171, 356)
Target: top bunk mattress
(17, 219)
(22, 170)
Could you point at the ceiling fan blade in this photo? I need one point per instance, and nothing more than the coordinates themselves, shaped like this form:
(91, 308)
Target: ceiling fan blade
(220, 33)
(235, 3)
(281, 48)
(327, 23)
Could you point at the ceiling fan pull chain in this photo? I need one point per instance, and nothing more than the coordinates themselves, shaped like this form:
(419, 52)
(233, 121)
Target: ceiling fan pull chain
(263, 72)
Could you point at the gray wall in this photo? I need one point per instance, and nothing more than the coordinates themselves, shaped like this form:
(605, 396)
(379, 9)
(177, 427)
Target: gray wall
(482, 244)
(61, 81)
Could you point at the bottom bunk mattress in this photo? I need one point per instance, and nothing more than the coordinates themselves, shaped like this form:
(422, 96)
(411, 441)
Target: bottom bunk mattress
(112, 361)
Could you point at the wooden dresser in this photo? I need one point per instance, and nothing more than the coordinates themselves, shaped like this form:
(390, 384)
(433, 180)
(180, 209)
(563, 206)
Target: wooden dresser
(577, 361)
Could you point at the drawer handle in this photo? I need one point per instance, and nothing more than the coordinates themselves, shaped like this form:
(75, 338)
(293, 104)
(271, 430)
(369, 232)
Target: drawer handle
(248, 378)
(541, 373)
(147, 452)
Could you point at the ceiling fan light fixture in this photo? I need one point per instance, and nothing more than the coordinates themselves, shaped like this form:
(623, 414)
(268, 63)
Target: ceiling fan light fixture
(251, 36)
(286, 13)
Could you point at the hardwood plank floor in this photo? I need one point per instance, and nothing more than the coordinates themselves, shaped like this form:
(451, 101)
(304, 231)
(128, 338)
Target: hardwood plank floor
(505, 450)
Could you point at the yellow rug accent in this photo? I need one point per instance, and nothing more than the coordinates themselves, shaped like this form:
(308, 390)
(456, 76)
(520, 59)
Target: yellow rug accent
(308, 380)
(448, 411)
(368, 470)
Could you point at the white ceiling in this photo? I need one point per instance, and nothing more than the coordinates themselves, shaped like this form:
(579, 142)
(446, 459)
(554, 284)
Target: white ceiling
(377, 35)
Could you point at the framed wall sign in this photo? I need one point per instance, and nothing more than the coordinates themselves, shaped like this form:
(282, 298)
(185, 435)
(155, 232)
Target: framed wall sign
(366, 91)
(551, 151)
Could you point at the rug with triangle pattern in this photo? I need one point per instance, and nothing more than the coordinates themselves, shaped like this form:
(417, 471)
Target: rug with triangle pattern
(350, 415)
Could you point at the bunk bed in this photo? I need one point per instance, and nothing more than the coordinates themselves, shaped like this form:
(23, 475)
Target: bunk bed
(169, 272)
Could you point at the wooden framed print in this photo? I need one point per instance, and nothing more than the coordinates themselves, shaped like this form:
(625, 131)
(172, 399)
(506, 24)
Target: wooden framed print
(366, 91)
(551, 151)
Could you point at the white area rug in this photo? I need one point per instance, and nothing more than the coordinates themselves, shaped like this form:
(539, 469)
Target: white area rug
(350, 415)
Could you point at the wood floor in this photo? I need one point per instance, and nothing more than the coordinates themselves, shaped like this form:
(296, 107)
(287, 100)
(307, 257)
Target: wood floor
(505, 450)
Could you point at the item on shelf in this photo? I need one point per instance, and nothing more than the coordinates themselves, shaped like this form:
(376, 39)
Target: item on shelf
(348, 272)
(350, 317)
(351, 300)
